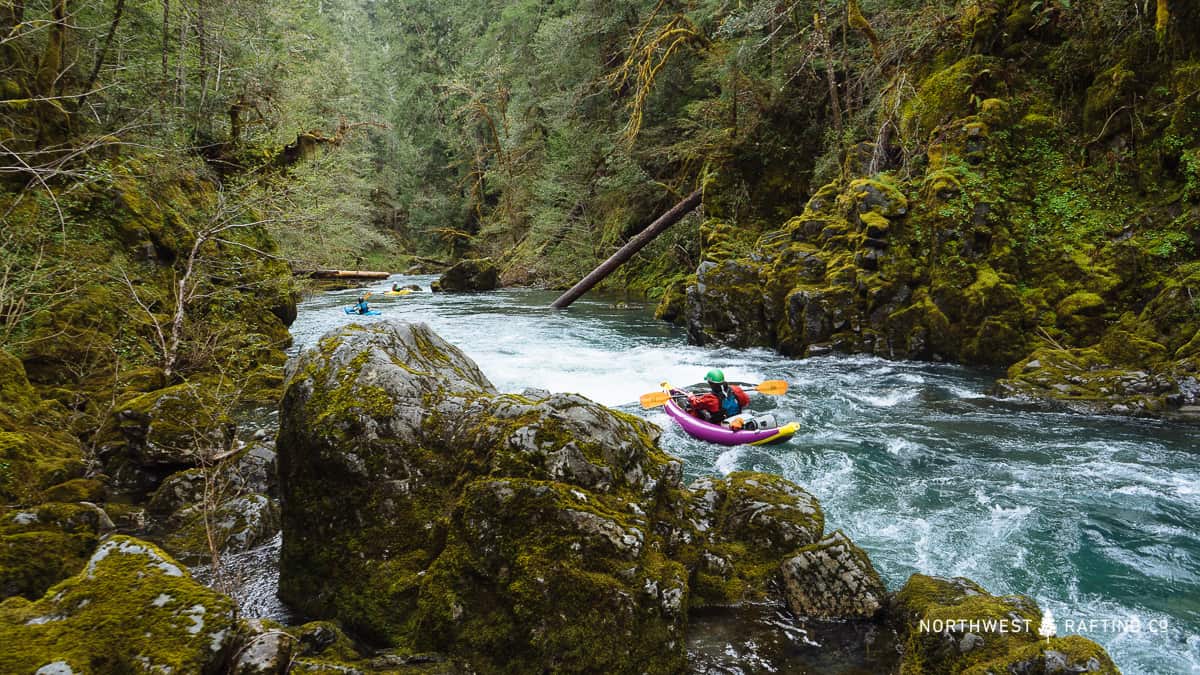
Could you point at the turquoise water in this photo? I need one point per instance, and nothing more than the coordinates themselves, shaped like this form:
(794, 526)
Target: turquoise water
(1097, 518)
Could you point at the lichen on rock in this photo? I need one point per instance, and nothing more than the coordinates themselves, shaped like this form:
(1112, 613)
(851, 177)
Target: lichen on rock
(131, 609)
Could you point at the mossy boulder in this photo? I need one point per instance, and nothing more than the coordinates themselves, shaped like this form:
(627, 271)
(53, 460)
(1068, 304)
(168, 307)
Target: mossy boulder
(732, 533)
(725, 306)
(395, 448)
(427, 512)
(672, 307)
(77, 490)
(43, 545)
(948, 94)
(231, 525)
(469, 275)
(954, 626)
(542, 575)
(131, 609)
(149, 436)
(35, 453)
(17, 397)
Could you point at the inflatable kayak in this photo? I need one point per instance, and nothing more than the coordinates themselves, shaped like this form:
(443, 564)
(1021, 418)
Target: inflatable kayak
(716, 433)
(403, 292)
(370, 312)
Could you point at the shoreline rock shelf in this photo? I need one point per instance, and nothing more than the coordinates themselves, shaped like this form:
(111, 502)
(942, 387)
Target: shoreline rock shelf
(427, 512)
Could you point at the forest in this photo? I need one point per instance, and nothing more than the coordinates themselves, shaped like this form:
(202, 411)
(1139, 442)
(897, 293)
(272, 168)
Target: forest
(1012, 185)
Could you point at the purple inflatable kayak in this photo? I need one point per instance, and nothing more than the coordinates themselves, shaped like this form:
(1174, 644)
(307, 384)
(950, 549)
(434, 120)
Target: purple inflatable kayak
(715, 433)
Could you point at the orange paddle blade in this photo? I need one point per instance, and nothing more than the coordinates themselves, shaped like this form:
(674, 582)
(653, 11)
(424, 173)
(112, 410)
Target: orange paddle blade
(772, 387)
(654, 399)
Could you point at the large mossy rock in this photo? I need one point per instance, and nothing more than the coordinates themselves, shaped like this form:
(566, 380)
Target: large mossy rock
(149, 436)
(468, 275)
(35, 453)
(132, 609)
(426, 511)
(954, 626)
(423, 509)
(732, 532)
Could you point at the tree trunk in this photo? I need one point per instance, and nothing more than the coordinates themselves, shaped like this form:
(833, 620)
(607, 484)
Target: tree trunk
(830, 76)
(629, 249)
(118, 11)
(1162, 18)
(51, 64)
(166, 43)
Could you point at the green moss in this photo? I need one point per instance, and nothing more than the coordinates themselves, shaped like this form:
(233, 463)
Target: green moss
(1081, 302)
(1111, 89)
(34, 459)
(76, 490)
(131, 609)
(944, 95)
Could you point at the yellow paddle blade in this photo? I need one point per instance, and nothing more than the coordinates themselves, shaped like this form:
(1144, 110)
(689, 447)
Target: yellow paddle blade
(772, 387)
(654, 399)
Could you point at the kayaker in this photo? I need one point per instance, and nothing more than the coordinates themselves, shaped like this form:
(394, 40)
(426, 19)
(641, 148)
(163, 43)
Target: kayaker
(724, 401)
(361, 306)
(396, 287)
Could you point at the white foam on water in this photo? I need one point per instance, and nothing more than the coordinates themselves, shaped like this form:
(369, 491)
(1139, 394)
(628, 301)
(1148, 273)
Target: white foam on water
(727, 461)
(888, 399)
(901, 447)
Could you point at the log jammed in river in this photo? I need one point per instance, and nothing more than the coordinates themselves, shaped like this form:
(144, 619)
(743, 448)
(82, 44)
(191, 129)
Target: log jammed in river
(626, 252)
(341, 274)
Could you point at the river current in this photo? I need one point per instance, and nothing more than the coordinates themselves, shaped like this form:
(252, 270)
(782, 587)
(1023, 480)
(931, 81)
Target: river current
(1097, 518)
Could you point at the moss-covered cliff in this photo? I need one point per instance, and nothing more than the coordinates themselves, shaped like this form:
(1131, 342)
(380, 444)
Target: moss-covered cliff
(1035, 211)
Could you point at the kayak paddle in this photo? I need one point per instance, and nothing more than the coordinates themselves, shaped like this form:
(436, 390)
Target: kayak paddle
(770, 387)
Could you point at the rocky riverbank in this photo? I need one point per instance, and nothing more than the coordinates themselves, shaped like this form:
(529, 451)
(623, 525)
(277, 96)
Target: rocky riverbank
(429, 513)
(446, 527)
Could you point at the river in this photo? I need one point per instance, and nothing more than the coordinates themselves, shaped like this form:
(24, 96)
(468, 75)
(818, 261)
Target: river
(1097, 518)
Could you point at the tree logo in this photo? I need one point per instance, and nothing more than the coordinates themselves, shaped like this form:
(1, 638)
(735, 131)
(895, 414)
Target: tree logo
(1048, 628)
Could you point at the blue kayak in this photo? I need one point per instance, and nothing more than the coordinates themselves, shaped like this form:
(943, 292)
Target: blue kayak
(351, 310)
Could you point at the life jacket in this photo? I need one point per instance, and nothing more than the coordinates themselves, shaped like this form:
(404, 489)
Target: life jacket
(732, 399)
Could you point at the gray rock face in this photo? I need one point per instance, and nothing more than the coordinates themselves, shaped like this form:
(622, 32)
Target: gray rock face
(242, 515)
(468, 275)
(263, 650)
(833, 579)
(725, 306)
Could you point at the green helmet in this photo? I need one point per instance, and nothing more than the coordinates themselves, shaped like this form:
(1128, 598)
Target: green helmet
(715, 375)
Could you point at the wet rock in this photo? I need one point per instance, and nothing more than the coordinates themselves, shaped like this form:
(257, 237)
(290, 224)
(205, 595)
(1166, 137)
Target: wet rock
(955, 626)
(468, 275)
(232, 525)
(262, 649)
(480, 518)
(725, 306)
(131, 609)
(833, 579)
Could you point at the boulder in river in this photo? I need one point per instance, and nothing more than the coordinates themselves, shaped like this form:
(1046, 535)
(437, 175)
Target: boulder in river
(833, 579)
(425, 510)
(469, 275)
(955, 626)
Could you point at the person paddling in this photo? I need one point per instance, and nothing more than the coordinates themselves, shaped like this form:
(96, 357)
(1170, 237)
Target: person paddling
(361, 306)
(722, 402)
